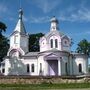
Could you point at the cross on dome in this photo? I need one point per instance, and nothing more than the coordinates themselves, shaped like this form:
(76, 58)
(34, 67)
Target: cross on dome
(20, 13)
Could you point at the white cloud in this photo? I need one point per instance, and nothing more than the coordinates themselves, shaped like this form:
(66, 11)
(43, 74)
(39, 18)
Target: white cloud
(47, 5)
(87, 32)
(39, 19)
(74, 15)
(81, 14)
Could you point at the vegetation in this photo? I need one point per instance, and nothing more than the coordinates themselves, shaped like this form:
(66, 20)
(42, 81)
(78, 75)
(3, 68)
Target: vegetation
(84, 47)
(4, 46)
(34, 42)
(4, 42)
(43, 86)
(2, 27)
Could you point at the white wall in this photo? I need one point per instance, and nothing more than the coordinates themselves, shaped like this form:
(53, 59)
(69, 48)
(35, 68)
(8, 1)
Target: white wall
(24, 43)
(43, 44)
(12, 41)
(66, 43)
(6, 67)
(30, 62)
(63, 61)
(44, 66)
(80, 59)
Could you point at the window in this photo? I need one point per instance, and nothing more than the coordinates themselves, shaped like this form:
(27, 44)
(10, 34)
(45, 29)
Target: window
(80, 68)
(51, 43)
(56, 43)
(40, 66)
(16, 39)
(28, 70)
(66, 68)
(40, 69)
(65, 42)
(3, 70)
(32, 68)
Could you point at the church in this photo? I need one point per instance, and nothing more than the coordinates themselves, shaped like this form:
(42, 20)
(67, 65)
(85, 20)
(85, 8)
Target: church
(55, 57)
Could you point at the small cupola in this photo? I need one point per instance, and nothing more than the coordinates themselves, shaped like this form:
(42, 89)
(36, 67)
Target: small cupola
(54, 24)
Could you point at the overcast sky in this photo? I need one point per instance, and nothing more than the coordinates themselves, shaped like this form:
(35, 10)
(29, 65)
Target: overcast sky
(73, 16)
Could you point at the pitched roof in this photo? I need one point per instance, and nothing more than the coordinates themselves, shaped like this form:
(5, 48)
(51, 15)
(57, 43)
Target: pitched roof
(20, 25)
(32, 54)
(54, 32)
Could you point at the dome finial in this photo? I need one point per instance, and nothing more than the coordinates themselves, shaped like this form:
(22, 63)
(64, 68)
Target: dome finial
(54, 19)
(20, 13)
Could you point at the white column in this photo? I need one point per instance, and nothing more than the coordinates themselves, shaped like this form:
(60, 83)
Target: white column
(59, 67)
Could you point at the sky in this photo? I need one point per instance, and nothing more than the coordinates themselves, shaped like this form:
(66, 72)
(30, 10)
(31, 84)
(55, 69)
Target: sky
(73, 16)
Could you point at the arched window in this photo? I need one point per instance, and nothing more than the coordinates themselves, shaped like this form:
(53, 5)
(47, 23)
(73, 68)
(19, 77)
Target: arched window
(66, 68)
(56, 43)
(51, 43)
(3, 70)
(28, 70)
(80, 68)
(40, 69)
(16, 39)
(32, 68)
(40, 66)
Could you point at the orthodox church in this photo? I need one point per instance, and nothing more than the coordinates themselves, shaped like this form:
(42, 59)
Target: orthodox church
(54, 58)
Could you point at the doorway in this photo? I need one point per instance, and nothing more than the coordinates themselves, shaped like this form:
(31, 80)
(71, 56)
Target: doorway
(53, 67)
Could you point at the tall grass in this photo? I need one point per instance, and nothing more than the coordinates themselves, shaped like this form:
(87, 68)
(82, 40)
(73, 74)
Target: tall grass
(43, 86)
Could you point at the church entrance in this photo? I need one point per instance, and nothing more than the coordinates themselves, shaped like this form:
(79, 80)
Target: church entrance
(53, 67)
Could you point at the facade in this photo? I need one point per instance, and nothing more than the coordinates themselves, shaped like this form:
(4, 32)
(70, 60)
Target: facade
(54, 59)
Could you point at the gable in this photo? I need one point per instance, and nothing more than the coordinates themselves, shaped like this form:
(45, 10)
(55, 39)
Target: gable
(51, 56)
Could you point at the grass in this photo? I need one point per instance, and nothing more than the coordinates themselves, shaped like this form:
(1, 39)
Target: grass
(43, 86)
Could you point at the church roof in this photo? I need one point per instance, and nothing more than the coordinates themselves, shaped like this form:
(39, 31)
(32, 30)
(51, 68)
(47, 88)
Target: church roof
(20, 25)
(32, 54)
(54, 32)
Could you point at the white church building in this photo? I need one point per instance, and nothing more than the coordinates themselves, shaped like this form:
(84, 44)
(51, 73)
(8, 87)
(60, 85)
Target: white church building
(54, 58)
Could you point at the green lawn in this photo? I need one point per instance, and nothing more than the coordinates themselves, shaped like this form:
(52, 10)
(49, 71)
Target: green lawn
(43, 86)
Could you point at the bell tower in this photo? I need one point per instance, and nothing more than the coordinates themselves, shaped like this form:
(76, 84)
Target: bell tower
(19, 38)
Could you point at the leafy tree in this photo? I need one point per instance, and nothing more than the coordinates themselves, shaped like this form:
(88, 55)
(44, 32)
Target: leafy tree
(4, 42)
(2, 27)
(84, 47)
(34, 42)
(4, 46)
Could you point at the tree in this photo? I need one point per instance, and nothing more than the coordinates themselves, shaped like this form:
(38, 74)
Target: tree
(83, 47)
(2, 28)
(4, 42)
(34, 42)
(4, 46)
